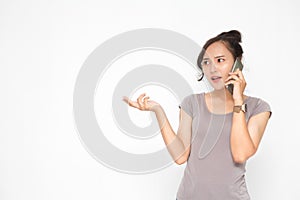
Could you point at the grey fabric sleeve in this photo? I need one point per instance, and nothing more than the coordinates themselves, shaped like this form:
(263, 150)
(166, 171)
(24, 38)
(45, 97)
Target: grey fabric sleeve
(186, 105)
(260, 107)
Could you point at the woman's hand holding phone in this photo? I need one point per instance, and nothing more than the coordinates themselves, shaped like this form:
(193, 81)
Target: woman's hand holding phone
(239, 84)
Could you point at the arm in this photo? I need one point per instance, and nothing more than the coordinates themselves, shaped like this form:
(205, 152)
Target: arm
(245, 138)
(178, 144)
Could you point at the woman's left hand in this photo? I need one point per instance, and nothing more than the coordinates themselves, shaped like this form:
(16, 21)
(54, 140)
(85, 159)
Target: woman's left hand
(239, 84)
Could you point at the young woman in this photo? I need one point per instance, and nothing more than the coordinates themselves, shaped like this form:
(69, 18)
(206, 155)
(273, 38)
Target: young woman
(218, 131)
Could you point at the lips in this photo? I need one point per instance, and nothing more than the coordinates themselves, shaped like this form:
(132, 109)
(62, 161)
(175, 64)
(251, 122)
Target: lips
(214, 78)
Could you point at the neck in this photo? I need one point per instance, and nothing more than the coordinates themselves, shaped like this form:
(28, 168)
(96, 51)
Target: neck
(222, 94)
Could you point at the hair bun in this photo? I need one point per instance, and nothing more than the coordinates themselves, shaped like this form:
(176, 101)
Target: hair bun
(233, 35)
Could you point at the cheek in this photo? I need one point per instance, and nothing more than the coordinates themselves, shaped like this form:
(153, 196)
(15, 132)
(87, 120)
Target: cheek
(205, 70)
(225, 71)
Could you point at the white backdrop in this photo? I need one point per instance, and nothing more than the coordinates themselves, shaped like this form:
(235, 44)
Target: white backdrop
(43, 45)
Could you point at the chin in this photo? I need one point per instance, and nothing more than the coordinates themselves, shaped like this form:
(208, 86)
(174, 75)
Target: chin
(218, 87)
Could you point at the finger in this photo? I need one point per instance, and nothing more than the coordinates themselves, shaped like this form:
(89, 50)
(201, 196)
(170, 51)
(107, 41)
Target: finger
(130, 103)
(241, 75)
(234, 82)
(125, 99)
(140, 100)
(232, 77)
(235, 72)
(230, 82)
(228, 78)
(134, 104)
(146, 100)
(235, 77)
(142, 96)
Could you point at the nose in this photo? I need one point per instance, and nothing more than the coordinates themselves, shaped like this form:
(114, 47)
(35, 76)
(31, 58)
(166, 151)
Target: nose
(213, 67)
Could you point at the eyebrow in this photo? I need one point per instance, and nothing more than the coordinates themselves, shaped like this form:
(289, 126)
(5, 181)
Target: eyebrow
(220, 56)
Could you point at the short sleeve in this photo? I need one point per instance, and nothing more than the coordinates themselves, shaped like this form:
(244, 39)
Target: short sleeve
(261, 106)
(186, 105)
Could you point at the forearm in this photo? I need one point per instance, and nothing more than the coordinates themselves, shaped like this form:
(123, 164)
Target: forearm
(242, 146)
(174, 144)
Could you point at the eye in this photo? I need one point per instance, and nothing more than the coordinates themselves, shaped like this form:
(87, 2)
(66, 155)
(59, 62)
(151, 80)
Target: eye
(205, 62)
(221, 60)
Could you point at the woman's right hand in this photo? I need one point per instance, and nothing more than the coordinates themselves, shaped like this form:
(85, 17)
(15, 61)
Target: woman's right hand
(142, 103)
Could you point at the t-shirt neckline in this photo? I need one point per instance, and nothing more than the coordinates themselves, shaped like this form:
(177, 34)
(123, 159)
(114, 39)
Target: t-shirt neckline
(207, 110)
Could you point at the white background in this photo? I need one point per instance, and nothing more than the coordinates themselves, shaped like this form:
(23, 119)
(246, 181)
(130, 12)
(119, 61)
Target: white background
(42, 47)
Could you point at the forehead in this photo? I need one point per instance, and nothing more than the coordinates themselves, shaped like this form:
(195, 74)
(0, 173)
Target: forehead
(217, 49)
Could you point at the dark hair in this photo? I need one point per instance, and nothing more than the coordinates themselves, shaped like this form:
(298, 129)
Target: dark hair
(231, 39)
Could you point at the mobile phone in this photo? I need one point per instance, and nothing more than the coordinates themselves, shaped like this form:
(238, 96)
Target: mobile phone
(236, 65)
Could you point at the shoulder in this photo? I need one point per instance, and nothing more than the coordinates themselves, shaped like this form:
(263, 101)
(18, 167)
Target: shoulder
(194, 96)
(190, 103)
(256, 105)
(256, 101)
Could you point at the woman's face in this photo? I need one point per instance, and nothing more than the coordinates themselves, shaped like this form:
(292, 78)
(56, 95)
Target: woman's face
(216, 64)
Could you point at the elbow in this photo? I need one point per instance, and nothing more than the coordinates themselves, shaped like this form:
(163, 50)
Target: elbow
(242, 158)
(239, 159)
(180, 161)
(183, 158)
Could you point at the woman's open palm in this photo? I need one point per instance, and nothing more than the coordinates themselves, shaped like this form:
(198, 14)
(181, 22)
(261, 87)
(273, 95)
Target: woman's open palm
(142, 103)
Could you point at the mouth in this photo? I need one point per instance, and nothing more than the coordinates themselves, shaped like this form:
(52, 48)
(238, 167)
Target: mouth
(215, 78)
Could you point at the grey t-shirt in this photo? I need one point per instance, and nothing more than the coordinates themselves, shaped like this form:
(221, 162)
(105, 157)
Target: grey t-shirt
(211, 173)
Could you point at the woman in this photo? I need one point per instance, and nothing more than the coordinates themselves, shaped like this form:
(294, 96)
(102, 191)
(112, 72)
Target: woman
(218, 131)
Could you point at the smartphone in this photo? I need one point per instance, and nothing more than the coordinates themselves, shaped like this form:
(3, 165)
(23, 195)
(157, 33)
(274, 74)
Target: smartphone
(236, 65)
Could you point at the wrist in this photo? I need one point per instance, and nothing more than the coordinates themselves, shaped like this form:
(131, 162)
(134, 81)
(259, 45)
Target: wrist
(238, 102)
(156, 108)
(239, 108)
